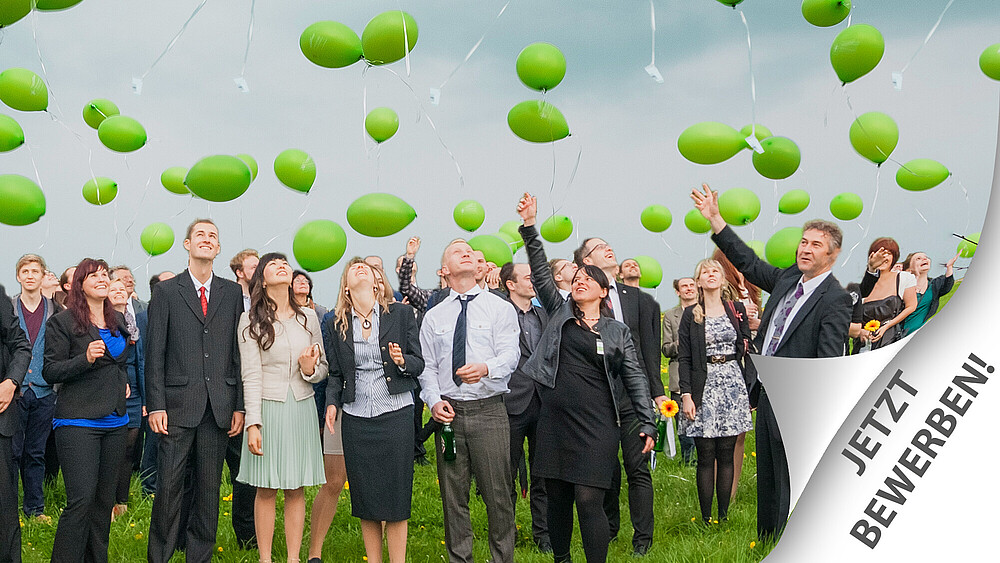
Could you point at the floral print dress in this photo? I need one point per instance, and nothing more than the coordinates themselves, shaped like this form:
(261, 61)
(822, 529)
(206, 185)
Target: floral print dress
(725, 406)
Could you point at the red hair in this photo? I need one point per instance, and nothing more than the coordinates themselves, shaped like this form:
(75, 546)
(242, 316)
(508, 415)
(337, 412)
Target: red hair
(76, 300)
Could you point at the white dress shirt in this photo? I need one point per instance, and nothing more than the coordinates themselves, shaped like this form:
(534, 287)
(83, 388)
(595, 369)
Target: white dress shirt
(808, 287)
(492, 338)
(616, 302)
(198, 285)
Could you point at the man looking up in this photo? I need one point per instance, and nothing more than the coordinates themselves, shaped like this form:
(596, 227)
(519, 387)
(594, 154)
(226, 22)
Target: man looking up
(243, 266)
(562, 272)
(629, 272)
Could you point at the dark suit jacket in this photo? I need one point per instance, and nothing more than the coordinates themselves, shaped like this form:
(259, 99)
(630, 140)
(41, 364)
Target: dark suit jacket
(397, 324)
(15, 355)
(692, 358)
(522, 386)
(818, 329)
(642, 315)
(88, 390)
(193, 359)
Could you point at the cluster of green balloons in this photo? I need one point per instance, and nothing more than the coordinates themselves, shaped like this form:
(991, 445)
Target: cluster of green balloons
(656, 218)
(379, 215)
(100, 190)
(556, 228)
(23, 90)
(387, 38)
(319, 244)
(825, 13)
(117, 132)
(510, 233)
(856, 51)
(469, 215)
(11, 134)
(711, 142)
(381, 124)
(494, 248)
(540, 66)
(23, 201)
(13, 10)
(156, 238)
(295, 169)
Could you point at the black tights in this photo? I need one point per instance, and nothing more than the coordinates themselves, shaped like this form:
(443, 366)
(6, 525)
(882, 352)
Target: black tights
(590, 510)
(712, 453)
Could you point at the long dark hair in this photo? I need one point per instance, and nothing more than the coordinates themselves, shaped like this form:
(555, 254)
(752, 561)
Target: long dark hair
(76, 300)
(598, 276)
(263, 309)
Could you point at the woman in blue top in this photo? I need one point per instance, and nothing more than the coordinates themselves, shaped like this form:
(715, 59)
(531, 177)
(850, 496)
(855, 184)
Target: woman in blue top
(86, 349)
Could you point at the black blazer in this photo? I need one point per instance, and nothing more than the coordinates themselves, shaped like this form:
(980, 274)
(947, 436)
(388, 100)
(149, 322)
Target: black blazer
(522, 386)
(190, 356)
(15, 356)
(396, 323)
(642, 315)
(819, 328)
(87, 390)
(692, 358)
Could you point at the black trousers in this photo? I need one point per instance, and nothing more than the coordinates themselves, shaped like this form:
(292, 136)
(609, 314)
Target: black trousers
(243, 495)
(10, 527)
(204, 444)
(523, 426)
(640, 485)
(91, 480)
(773, 484)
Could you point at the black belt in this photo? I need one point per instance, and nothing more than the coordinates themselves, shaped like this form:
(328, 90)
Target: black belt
(720, 358)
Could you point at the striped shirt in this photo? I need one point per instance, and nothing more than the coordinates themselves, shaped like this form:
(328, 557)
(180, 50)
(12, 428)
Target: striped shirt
(371, 392)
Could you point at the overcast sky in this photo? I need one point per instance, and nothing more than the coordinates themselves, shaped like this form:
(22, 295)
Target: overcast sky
(624, 125)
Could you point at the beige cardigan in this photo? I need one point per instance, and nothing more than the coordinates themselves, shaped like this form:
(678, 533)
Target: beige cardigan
(268, 374)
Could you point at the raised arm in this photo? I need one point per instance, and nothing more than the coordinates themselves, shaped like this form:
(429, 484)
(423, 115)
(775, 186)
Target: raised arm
(541, 274)
(418, 297)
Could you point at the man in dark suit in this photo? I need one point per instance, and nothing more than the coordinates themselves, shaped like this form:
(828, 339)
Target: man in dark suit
(15, 355)
(807, 316)
(523, 403)
(194, 394)
(641, 313)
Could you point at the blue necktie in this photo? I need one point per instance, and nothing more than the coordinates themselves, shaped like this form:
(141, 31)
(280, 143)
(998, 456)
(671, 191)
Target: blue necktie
(458, 339)
(782, 318)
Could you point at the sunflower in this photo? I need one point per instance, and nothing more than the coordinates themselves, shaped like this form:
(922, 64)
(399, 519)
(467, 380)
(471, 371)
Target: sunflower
(872, 325)
(669, 408)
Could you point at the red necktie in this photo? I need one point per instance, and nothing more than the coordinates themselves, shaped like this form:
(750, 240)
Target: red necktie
(204, 301)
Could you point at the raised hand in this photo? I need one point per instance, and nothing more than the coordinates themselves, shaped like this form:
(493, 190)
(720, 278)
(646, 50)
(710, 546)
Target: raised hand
(527, 208)
(412, 246)
(707, 202)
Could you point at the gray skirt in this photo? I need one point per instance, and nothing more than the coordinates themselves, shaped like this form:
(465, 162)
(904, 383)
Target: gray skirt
(378, 453)
(292, 456)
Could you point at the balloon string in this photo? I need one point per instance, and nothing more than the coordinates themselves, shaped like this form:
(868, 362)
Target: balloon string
(829, 103)
(476, 46)
(777, 211)
(423, 112)
(920, 214)
(137, 209)
(968, 205)
(38, 178)
(290, 225)
(364, 106)
(652, 25)
(246, 53)
(665, 243)
(753, 82)
(114, 248)
(552, 185)
(572, 176)
(170, 45)
(871, 216)
(41, 62)
(928, 38)
(406, 39)
(183, 210)
(857, 119)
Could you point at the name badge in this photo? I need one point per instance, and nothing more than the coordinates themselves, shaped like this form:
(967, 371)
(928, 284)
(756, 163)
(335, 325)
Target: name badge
(600, 347)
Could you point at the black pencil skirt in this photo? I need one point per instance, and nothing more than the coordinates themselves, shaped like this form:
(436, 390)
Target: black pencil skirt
(378, 453)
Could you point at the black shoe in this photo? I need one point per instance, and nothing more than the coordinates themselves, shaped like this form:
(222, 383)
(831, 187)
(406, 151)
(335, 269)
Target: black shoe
(315, 560)
(421, 460)
(544, 546)
(640, 550)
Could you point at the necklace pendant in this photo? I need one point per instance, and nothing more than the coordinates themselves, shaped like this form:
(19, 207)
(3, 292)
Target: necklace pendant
(366, 324)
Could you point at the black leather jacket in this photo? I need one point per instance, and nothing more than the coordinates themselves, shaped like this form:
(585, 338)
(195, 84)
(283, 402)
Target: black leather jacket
(621, 364)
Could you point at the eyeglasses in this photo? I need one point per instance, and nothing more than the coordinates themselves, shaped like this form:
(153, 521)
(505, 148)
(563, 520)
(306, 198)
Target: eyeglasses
(602, 246)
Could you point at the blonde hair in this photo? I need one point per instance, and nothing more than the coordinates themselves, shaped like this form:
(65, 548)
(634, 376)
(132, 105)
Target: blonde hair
(726, 291)
(342, 311)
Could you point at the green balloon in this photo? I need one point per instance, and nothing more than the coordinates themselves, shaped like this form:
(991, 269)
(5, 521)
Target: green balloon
(696, 222)
(218, 178)
(101, 191)
(989, 61)
(11, 134)
(825, 13)
(156, 238)
(330, 44)
(381, 124)
(846, 206)
(121, 134)
(511, 242)
(738, 206)
(23, 90)
(650, 272)
(541, 66)
(23, 201)
(384, 37)
(96, 111)
(556, 228)
(56, 5)
(921, 174)
(710, 142)
(781, 247)
(469, 215)
(295, 169)
(13, 10)
(494, 249)
(780, 159)
(759, 131)
(251, 163)
(537, 121)
(730, 3)
(656, 218)
(856, 51)
(173, 179)
(758, 248)
(874, 135)
(967, 249)
(319, 244)
(379, 215)
(794, 201)
(510, 228)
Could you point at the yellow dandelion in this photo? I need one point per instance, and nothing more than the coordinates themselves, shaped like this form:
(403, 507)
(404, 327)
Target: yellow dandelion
(220, 549)
(228, 498)
(715, 521)
(692, 518)
(225, 514)
(753, 544)
(744, 456)
(132, 525)
(442, 542)
(138, 536)
(29, 544)
(753, 454)
(422, 528)
(364, 558)
(347, 485)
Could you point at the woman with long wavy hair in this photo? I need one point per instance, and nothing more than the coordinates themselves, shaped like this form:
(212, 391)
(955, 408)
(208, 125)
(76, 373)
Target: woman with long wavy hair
(281, 355)
(86, 349)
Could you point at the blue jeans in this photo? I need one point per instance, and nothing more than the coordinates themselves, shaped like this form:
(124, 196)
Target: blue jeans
(29, 446)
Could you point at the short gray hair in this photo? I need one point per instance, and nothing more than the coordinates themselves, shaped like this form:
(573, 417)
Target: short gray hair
(831, 229)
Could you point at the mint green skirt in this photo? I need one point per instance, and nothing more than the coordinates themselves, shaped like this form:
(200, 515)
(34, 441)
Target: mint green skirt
(293, 456)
